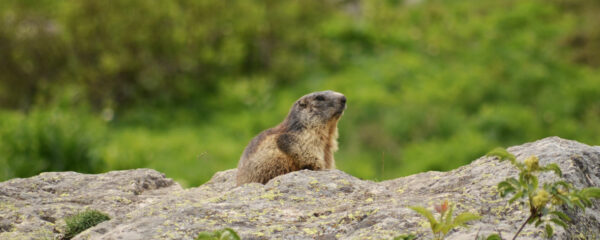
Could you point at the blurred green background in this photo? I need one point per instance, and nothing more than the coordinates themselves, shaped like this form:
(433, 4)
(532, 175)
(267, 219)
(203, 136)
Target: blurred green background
(182, 86)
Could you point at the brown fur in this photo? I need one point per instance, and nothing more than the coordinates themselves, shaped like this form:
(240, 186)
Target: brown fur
(306, 139)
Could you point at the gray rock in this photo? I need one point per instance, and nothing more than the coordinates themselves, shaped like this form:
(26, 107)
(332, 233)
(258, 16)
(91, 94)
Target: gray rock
(331, 204)
(34, 208)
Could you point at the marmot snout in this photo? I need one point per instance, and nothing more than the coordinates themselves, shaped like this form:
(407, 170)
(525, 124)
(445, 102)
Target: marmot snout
(306, 139)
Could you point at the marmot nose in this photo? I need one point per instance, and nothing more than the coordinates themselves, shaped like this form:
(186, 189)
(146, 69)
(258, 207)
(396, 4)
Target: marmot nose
(343, 99)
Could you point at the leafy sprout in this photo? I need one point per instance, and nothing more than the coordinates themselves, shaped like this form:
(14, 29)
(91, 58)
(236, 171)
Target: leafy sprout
(223, 234)
(445, 222)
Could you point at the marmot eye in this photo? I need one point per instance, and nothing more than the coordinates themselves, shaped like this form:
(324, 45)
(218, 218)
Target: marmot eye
(320, 98)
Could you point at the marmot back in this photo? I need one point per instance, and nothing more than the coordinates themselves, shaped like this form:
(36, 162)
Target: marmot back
(306, 139)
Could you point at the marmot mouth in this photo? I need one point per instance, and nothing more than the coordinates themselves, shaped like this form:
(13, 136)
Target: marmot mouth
(339, 112)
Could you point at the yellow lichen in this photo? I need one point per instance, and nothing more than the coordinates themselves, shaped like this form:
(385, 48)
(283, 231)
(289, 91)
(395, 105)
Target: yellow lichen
(344, 181)
(270, 195)
(7, 206)
(310, 231)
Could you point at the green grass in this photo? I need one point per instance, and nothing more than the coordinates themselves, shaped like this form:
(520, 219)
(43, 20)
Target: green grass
(188, 154)
(82, 221)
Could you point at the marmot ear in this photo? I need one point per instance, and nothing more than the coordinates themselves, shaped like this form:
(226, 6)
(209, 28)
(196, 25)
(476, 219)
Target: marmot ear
(302, 103)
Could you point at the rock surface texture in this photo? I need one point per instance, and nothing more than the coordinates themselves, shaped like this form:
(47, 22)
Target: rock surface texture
(331, 204)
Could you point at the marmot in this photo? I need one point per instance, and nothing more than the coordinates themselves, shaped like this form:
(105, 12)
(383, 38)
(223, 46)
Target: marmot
(306, 139)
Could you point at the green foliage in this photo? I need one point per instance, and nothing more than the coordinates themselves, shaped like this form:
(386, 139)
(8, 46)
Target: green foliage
(189, 83)
(195, 150)
(502, 155)
(406, 237)
(445, 222)
(50, 139)
(165, 52)
(584, 42)
(543, 201)
(490, 237)
(82, 221)
(223, 234)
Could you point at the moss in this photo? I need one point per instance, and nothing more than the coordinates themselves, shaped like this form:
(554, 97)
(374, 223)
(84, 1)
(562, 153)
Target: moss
(82, 221)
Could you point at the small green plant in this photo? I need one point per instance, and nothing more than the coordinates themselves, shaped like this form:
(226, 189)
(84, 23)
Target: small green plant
(405, 237)
(490, 237)
(441, 226)
(223, 234)
(82, 221)
(543, 202)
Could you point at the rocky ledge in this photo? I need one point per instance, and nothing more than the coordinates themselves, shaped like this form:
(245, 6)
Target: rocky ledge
(143, 204)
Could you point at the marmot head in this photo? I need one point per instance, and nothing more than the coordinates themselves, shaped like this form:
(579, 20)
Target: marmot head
(316, 109)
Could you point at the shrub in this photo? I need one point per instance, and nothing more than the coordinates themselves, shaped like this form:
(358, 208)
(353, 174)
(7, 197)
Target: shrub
(543, 201)
(56, 138)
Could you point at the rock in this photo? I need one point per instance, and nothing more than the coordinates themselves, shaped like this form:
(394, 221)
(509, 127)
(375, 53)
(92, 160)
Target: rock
(33, 208)
(331, 204)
